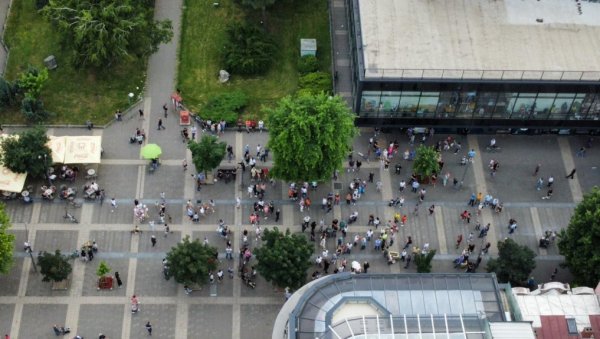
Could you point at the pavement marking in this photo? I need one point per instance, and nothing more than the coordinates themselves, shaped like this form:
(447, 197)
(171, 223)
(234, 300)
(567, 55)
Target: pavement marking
(569, 162)
(481, 186)
(130, 288)
(181, 317)
(440, 226)
(124, 300)
(537, 226)
(77, 278)
(236, 308)
(23, 281)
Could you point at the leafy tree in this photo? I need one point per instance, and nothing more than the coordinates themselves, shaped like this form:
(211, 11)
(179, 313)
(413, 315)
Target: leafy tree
(191, 261)
(309, 136)
(423, 261)
(100, 32)
(579, 241)
(248, 49)
(6, 242)
(514, 263)
(208, 153)
(308, 64)
(7, 93)
(54, 267)
(103, 269)
(315, 83)
(26, 153)
(225, 106)
(32, 81)
(284, 258)
(426, 162)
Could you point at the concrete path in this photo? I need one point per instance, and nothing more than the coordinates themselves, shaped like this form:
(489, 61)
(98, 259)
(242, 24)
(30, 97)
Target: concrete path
(4, 12)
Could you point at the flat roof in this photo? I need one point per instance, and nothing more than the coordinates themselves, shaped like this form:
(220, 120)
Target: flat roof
(479, 35)
(579, 307)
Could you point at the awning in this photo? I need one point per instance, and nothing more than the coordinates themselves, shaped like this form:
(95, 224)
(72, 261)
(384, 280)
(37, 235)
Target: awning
(9, 180)
(58, 146)
(83, 150)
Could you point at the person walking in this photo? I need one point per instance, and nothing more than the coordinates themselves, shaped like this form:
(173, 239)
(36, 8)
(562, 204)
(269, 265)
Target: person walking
(194, 130)
(550, 181)
(149, 328)
(153, 240)
(141, 112)
(431, 209)
(539, 184)
(166, 110)
(113, 205)
(160, 124)
(537, 169)
(118, 279)
(571, 175)
(548, 195)
(459, 239)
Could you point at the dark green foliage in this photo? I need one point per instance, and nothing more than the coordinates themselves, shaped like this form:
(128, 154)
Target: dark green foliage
(6, 242)
(308, 64)
(191, 261)
(315, 83)
(257, 4)
(33, 109)
(54, 267)
(39, 4)
(309, 136)
(208, 153)
(426, 162)
(248, 50)
(101, 32)
(225, 106)
(514, 263)
(579, 243)
(7, 93)
(284, 258)
(26, 153)
(423, 261)
(31, 82)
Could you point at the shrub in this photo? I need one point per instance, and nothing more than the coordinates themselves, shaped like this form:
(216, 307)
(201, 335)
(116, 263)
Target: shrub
(308, 64)
(103, 269)
(32, 81)
(225, 106)
(248, 50)
(7, 93)
(33, 109)
(316, 82)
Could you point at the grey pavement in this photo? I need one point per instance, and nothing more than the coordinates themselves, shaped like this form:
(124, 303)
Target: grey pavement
(4, 12)
(340, 36)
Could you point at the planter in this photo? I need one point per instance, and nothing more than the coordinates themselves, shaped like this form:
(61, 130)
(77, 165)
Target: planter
(61, 285)
(105, 283)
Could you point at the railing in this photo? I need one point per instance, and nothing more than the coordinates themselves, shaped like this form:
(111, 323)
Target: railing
(474, 74)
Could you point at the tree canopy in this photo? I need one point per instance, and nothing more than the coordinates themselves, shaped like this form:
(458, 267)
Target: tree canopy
(6, 242)
(284, 258)
(514, 263)
(248, 50)
(191, 261)
(423, 261)
(26, 153)
(426, 162)
(208, 153)
(54, 267)
(579, 241)
(100, 32)
(310, 136)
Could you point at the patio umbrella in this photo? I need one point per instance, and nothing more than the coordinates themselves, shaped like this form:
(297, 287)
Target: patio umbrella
(151, 151)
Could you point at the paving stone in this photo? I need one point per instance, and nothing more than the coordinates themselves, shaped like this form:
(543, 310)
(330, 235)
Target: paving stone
(6, 315)
(111, 241)
(38, 320)
(90, 282)
(96, 319)
(209, 321)
(163, 244)
(162, 181)
(161, 317)
(257, 320)
(150, 280)
(10, 281)
(118, 181)
(18, 211)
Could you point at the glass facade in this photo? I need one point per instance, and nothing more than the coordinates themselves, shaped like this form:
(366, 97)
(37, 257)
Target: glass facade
(471, 104)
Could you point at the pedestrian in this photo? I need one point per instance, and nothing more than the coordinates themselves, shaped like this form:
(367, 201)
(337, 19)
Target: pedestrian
(277, 214)
(89, 125)
(184, 164)
(550, 181)
(166, 230)
(366, 266)
(408, 258)
(90, 255)
(431, 209)
(113, 205)
(572, 174)
(153, 240)
(119, 115)
(371, 176)
(166, 110)
(539, 184)
(238, 202)
(261, 126)
(141, 112)
(537, 169)
(581, 152)
(193, 130)
(548, 194)
(554, 273)
(220, 276)
(160, 124)
(118, 279)
(149, 328)
(459, 239)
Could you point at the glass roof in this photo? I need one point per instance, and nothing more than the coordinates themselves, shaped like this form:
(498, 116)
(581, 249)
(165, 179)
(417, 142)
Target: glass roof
(406, 299)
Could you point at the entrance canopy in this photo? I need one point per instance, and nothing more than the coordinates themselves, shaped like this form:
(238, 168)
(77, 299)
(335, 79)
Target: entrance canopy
(76, 150)
(9, 180)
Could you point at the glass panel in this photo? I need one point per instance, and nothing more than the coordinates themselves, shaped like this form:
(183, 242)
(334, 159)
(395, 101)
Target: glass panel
(466, 105)
(544, 105)
(593, 103)
(504, 105)
(370, 103)
(416, 298)
(443, 302)
(409, 103)
(577, 107)
(390, 102)
(562, 105)
(430, 302)
(524, 107)
(447, 104)
(486, 102)
(428, 105)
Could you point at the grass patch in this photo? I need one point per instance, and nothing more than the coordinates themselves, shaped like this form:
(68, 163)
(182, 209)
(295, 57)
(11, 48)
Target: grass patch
(72, 95)
(203, 35)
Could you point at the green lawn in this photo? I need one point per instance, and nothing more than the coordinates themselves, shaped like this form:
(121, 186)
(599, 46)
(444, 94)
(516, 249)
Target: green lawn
(203, 34)
(73, 95)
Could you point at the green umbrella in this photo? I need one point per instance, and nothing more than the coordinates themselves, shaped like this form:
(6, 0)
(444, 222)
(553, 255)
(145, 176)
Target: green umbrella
(151, 151)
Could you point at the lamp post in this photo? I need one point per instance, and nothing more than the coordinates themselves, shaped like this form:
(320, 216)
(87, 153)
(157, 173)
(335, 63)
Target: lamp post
(130, 97)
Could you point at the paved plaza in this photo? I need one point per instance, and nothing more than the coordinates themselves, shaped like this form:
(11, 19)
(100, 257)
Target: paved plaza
(29, 307)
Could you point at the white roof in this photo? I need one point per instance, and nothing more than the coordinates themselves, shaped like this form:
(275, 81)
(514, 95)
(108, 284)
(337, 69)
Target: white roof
(571, 306)
(480, 35)
(512, 330)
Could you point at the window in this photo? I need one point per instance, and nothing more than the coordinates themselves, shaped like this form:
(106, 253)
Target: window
(428, 104)
(390, 102)
(370, 103)
(409, 102)
(572, 326)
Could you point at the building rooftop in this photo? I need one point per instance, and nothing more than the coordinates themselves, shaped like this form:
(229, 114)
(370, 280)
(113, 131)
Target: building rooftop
(464, 37)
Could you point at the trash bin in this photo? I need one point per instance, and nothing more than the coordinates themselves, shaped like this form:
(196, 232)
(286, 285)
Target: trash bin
(50, 62)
